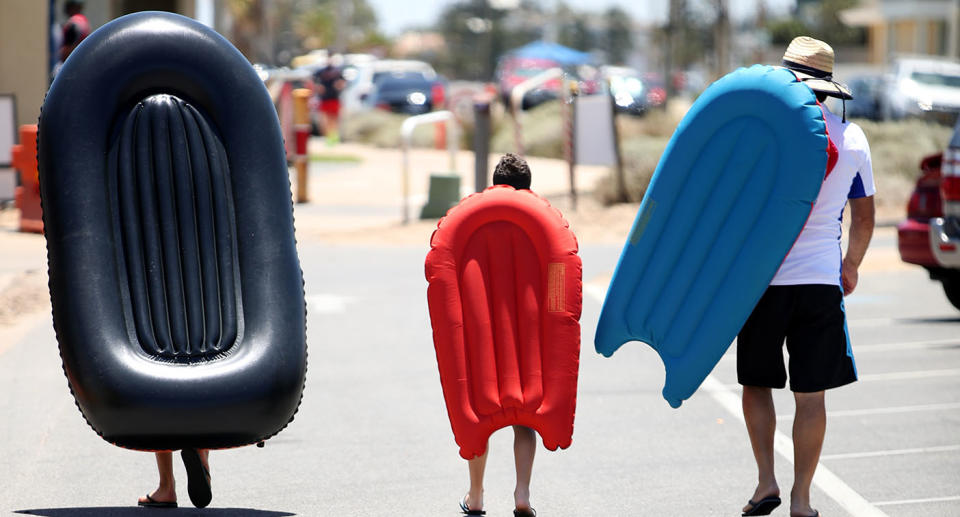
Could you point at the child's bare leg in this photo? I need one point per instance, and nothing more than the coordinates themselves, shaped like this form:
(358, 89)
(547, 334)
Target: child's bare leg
(474, 499)
(524, 449)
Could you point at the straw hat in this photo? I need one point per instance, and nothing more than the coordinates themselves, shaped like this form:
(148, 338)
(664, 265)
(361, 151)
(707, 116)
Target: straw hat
(812, 61)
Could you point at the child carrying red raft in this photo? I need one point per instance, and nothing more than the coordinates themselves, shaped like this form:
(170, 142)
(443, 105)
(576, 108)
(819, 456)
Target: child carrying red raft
(505, 298)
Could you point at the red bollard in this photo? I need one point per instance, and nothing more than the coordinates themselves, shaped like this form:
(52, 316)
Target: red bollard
(27, 196)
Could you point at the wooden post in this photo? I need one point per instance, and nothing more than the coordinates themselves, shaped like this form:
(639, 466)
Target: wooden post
(301, 130)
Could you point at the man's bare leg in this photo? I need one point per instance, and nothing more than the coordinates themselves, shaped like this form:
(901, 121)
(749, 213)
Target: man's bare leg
(524, 449)
(166, 491)
(809, 427)
(474, 499)
(761, 419)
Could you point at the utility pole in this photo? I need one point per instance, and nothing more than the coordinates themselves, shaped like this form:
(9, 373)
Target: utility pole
(721, 32)
(673, 30)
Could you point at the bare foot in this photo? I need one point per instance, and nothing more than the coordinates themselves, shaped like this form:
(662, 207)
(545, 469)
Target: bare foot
(521, 499)
(473, 501)
(160, 495)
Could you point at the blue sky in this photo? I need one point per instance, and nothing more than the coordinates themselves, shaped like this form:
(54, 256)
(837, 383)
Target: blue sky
(396, 15)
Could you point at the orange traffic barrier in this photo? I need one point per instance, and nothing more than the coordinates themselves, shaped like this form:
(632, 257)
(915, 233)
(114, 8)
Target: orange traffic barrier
(27, 195)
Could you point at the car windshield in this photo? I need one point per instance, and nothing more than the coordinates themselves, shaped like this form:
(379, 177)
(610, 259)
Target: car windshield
(934, 79)
(394, 84)
(398, 76)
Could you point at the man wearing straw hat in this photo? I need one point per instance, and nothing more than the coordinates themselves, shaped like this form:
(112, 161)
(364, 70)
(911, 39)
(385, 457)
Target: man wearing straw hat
(804, 303)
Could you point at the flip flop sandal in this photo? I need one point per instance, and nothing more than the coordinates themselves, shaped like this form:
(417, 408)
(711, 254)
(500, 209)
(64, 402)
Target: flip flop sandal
(466, 509)
(198, 478)
(153, 503)
(528, 512)
(763, 506)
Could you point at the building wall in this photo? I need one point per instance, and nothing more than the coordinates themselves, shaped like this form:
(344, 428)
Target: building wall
(24, 31)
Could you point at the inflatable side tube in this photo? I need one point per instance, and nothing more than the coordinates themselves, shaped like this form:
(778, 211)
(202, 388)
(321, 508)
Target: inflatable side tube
(505, 297)
(730, 195)
(177, 293)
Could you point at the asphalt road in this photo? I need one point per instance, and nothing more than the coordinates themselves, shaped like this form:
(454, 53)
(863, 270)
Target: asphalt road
(372, 436)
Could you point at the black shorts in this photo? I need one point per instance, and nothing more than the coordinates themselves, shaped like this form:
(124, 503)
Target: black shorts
(812, 320)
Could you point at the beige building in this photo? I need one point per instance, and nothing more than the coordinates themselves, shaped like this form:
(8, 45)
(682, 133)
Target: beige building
(25, 41)
(929, 27)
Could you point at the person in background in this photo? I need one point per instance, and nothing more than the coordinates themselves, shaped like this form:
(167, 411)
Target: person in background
(511, 170)
(74, 30)
(804, 302)
(329, 82)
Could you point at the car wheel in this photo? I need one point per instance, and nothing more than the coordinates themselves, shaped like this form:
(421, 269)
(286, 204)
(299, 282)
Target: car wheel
(951, 286)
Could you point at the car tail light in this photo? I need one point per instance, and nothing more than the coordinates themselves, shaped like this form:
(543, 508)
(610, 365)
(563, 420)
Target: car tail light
(948, 246)
(924, 204)
(950, 188)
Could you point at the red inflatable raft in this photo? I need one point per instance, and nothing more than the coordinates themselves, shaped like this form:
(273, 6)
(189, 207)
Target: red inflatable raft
(505, 297)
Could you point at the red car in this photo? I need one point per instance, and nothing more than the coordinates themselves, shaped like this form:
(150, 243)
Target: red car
(930, 236)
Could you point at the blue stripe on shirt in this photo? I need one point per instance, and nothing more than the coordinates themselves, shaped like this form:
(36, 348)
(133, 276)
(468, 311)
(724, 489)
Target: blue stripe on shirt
(856, 189)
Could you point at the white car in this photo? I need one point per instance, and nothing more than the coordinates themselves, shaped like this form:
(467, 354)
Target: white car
(923, 87)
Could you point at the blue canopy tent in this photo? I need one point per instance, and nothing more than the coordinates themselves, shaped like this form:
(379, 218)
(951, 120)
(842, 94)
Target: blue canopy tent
(565, 56)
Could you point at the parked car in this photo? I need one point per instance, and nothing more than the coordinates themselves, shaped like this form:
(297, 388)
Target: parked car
(867, 99)
(930, 236)
(632, 94)
(359, 94)
(923, 87)
(404, 92)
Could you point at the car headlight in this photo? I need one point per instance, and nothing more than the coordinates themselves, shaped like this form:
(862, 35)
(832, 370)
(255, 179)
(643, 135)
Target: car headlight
(623, 99)
(417, 98)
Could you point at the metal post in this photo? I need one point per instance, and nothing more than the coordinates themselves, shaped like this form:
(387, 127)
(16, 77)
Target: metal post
(406, 135)
(301, 128)
(621, 178)
(569, 114)
(481, 141)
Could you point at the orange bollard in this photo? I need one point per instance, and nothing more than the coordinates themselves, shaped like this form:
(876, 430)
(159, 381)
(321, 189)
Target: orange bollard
(27, 196)
(301, 130)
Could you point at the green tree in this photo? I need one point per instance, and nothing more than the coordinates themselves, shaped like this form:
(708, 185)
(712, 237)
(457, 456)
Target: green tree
(618, 40)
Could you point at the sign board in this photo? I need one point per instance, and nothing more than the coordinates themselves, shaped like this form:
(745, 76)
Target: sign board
(8, 128)
(593, 130)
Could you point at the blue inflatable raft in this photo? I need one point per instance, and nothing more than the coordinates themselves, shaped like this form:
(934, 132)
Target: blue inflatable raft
(730, 195)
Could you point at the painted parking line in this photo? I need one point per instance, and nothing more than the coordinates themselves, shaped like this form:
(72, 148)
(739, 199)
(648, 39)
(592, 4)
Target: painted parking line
(326, 303)
(903, 376)
(885, 410)
(891, 452)
(893, 376)
(824, 479)
(919, 501)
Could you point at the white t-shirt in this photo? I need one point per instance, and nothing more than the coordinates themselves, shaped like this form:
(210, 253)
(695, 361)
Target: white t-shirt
(816, 256)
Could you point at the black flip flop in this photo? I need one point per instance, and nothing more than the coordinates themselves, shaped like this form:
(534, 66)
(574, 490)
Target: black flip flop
(198, 478)
(466, 509)
(527, 512)
(763, 506)
(153, 503)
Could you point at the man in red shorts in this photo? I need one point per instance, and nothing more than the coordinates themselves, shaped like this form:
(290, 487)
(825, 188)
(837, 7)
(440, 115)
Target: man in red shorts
(329, 82)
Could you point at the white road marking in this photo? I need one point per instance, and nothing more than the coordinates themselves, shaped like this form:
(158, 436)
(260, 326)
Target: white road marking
(880, 347)
(325, 303)
(920, 501)
(891, 452)
(833, 486)
(885, 410)
(901, 376)
(893, 376)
